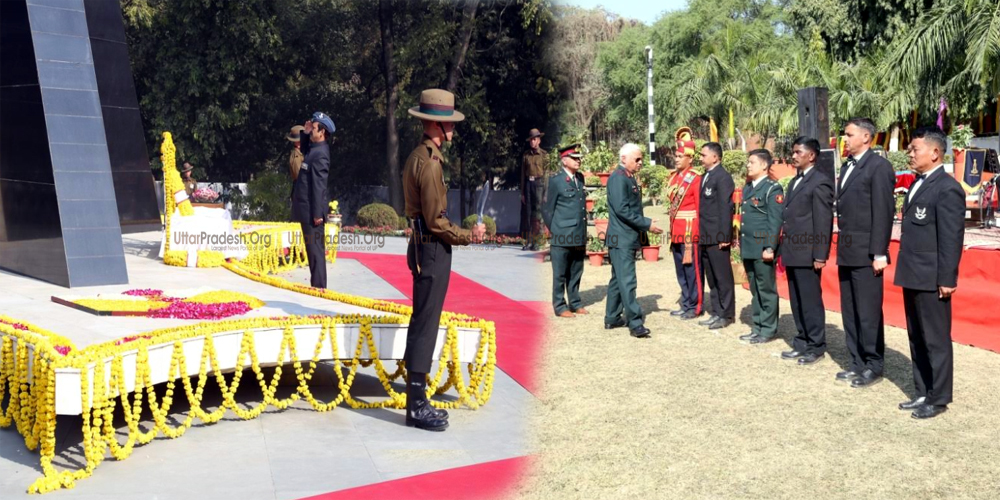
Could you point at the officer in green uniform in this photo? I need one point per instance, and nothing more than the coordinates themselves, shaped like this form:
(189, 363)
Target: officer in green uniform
(565, 214)
(625, 223)
(759, 229)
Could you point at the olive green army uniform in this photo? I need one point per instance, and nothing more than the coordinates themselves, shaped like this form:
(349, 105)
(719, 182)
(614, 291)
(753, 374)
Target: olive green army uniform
(759, 229)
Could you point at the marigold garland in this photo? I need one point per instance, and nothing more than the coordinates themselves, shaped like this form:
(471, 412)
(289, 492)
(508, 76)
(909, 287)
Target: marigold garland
(31, 402)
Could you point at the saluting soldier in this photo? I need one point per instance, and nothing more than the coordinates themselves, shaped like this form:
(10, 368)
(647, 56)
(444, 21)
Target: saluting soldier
(759, 229)
(565, 215)
(533, 165)
(625, 223)
(428, 254)
(295, 157)
(683, 194)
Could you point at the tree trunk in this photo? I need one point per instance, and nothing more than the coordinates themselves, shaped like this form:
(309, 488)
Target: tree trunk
(392, 102)
(464, 37)
(894, 140)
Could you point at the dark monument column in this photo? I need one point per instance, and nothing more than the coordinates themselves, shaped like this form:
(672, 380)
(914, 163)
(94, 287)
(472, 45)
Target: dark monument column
(57, 196)
(138, 210)
(814, 122)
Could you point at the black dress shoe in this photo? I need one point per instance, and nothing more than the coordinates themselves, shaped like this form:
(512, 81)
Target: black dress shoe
(748, 337)
(618, 323)
(677, 312)
(711, 319)
(928, 411)
(639, 333)
(867, 378)
(846, 376)
(720, 324)
(761, 340)
(912, 405)
(793, 354)
(810, 358)
(422, 415)
(690, 315)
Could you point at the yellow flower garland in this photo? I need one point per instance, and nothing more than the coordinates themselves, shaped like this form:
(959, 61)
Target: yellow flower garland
(173, 188)
(31, 406)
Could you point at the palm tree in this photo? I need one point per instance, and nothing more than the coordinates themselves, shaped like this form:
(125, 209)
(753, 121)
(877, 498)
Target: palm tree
(952, 50)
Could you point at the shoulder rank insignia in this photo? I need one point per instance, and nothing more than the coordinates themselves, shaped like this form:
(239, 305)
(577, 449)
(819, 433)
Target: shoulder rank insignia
(779, 198)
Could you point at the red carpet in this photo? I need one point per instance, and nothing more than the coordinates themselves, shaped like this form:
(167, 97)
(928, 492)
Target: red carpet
(519, 324)
(974, 321)
(475, 482)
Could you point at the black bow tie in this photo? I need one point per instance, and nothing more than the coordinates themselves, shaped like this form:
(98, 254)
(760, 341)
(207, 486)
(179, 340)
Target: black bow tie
(919, 177)
(799, 175)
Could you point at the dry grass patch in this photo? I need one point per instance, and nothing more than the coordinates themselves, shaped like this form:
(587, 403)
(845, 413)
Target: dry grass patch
(693, 413)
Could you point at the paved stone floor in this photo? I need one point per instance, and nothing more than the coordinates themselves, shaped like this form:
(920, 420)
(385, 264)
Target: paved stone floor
(283, 454)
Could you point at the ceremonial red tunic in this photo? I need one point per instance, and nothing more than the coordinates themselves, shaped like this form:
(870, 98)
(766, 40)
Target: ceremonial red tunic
(683, 191)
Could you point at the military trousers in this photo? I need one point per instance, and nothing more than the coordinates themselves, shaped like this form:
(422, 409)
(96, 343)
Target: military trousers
(531, 211)
(567, 271)
(691, 277)
(762, 278)
(429, 260)
(315, 240)
(622, 289)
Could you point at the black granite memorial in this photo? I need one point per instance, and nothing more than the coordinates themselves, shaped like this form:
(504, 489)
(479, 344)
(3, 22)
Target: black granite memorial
(73, 164)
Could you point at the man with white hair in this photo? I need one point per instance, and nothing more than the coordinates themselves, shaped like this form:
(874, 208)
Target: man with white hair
(625, 222)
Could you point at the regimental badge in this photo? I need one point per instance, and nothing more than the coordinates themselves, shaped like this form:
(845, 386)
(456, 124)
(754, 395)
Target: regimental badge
(755, 201)
(921, 213)
(779, 199)
(708, 191)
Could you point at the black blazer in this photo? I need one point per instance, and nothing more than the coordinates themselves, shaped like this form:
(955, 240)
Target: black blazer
(309, 194)
(807, 220)
(865, 207)
(933, 233)
(715, 209)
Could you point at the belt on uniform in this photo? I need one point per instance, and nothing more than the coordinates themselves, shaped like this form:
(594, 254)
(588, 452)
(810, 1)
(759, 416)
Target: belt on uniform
(687, 214)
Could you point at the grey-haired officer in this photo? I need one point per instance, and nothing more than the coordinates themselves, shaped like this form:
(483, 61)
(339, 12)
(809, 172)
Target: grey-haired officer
(428, 254)
(759, 229)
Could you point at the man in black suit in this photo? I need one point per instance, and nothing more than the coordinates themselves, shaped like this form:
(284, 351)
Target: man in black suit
(865, 207)
(805, 246)
(715, 232)
(309, 194)
(930, 249)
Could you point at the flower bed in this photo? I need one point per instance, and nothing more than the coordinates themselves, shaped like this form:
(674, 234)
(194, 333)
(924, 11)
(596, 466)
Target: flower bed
(200, 305)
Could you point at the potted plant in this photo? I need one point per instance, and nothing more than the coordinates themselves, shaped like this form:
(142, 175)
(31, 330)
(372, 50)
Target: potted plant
(334, 216)
(736, 259)
(591, 198)
(601, 213)
(961, 139)
(591, 180)
(596, 252)
(601, 160)
(651, 251)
